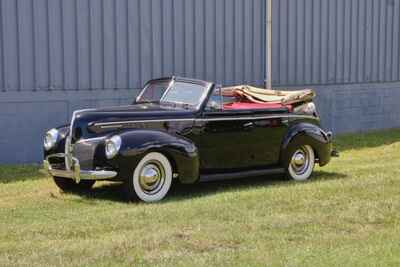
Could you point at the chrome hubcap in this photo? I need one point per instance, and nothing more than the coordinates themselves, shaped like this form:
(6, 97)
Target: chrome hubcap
(152, 177)
(300, 161)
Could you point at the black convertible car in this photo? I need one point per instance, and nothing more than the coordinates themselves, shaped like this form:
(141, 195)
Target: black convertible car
(192, 131)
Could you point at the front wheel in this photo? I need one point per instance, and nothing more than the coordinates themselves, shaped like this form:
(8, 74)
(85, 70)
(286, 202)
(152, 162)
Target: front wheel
(151, 180)
(301, 163)
(69, 185)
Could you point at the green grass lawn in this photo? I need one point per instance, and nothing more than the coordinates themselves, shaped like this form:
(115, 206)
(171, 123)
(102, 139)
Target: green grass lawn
(348, 215)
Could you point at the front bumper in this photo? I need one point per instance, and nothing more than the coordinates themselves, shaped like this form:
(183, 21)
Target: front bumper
(75, 172)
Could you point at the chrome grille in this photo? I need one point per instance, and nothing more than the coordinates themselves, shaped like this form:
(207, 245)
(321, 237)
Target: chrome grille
(81, 149)
(69, 146)
(85, 150)
(68, 153)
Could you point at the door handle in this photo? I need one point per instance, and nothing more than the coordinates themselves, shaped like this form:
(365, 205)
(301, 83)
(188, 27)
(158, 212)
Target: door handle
(248, 126)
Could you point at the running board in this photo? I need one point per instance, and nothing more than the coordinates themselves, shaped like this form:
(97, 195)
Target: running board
(238, 175)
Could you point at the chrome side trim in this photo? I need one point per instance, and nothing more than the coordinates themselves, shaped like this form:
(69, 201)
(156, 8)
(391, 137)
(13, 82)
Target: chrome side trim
(111, 126)
(101, 138)
(121, 123)
(287, 116)
(75, 172)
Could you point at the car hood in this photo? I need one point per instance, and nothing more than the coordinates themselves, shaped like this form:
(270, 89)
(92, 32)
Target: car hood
(140, 111)
(85, 119)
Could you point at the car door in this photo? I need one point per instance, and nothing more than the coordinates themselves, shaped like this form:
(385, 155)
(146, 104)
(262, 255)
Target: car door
(231, 140)
(223, 140)
(268, 131)
(237, 140)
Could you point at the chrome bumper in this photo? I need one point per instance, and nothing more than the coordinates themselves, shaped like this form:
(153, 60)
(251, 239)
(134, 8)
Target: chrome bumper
(334, 152)
(75, 171)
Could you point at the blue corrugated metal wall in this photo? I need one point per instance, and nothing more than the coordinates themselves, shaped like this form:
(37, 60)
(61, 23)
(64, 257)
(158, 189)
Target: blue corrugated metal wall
(109, 44)
(319, 42)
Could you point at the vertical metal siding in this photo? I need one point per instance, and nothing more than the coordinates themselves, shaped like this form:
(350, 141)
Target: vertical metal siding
(335, 41)
(114, 44)
(11, 50)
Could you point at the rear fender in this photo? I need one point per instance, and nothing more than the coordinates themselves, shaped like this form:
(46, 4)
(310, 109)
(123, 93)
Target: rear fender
(306, 133)
(181, 152)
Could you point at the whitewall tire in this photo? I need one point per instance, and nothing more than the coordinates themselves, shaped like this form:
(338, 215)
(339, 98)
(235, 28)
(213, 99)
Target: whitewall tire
(152, 178)
(301, 163)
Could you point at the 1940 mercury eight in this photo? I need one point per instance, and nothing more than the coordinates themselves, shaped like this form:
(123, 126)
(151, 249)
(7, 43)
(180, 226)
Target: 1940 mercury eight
(189, 130)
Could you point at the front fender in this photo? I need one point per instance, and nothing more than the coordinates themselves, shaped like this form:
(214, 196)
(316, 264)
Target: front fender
(307, 133)
(181, 152)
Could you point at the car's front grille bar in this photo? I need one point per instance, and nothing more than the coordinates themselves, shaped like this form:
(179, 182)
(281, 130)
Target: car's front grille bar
(68, 153)
(69, 146)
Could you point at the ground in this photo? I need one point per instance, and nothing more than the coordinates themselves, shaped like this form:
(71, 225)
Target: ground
(348, 215)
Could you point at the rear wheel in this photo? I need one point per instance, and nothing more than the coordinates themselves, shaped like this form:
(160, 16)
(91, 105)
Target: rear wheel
(69, 185)
(151, 179)
(301, 163)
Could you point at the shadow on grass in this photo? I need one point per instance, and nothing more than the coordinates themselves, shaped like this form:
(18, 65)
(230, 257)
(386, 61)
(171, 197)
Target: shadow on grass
(19, 173)
(114, 191)
(367, 140)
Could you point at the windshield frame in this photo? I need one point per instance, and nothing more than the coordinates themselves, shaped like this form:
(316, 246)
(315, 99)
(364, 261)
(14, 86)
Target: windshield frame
(173, 80)
(142, 92)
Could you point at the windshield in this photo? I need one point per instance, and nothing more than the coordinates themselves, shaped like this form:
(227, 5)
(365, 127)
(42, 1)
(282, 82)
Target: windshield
(175, 92)
(154, 91)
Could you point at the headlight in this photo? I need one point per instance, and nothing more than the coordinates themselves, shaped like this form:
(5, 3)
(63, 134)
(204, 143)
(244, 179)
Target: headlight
(113, 146)
(51, 139)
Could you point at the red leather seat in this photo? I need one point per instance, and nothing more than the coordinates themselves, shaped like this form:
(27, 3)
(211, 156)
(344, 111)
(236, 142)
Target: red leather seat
(249, 106)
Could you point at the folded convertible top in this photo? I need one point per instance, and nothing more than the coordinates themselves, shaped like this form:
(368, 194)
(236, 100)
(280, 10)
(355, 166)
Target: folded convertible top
(259, 95)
